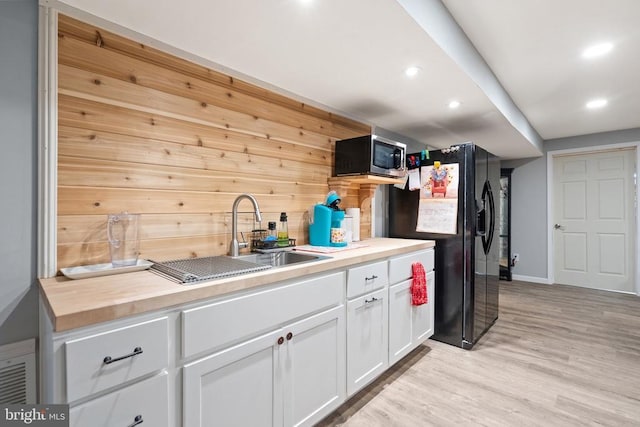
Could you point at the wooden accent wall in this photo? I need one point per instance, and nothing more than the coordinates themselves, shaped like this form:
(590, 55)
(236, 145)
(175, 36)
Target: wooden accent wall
(146, 132)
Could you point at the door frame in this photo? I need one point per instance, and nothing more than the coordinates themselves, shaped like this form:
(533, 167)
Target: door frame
(551, 155)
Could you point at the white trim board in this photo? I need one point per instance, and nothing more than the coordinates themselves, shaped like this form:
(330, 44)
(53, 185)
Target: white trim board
(586, 150)
(47, 141)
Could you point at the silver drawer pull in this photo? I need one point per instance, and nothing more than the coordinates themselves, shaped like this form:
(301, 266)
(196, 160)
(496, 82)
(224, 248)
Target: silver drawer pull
(374, 277)
(369, 301)
(137, 420)
(107, 360)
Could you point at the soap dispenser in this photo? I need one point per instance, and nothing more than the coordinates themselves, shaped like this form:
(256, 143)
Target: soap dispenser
(283, 231)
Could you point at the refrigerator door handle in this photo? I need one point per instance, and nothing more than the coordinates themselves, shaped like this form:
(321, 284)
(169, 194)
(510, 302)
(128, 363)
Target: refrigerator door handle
(487, 238)
(481, 219)
(492, 218)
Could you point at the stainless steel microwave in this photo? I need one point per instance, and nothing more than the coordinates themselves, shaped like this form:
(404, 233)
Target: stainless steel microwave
(370, 155)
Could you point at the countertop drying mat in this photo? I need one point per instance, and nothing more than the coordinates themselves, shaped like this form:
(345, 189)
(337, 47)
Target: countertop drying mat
(197, 269)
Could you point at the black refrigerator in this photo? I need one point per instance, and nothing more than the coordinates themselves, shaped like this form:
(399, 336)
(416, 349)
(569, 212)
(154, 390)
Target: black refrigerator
(467, 266)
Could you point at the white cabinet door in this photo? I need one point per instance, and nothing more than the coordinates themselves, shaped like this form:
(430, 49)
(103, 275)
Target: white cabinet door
(422, 315)
(409, 325)
(400, 321)
(367, 339)
(314, 366)
(239, 386)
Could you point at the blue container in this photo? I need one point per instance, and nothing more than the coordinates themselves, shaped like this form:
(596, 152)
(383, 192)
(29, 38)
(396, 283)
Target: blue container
(320, 229)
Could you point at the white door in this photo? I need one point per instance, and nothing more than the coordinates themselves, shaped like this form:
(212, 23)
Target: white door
(594, 219)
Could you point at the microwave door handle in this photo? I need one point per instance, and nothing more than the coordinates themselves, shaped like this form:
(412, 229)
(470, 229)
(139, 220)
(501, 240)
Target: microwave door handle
(397, 159)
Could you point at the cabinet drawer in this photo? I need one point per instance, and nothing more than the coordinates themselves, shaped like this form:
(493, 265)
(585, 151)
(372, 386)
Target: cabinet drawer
(400, 267)
(366, 278)
(147, 400)
(208, 328)
(87, 372)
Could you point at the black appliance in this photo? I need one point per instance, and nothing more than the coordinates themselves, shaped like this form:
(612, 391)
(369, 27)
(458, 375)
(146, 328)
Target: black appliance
(467, 263)
(370, 154)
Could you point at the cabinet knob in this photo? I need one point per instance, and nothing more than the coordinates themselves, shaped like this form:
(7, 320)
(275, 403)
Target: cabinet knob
(374, 277)
(280, 341)
(289, 336)
(369, 301)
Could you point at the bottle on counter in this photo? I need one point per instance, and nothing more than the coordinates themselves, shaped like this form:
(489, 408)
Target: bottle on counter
(271, 239)
(283, 231)
(273, 234)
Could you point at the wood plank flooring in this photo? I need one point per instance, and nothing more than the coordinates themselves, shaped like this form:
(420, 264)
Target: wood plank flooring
(557, 356)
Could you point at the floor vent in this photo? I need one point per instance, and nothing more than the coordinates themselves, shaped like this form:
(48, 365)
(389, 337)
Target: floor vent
(18, 373)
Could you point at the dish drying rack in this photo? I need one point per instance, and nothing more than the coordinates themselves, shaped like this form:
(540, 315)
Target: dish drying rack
(259, 244)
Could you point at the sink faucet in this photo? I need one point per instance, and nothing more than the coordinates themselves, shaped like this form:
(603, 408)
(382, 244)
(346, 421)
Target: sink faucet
(234, 247)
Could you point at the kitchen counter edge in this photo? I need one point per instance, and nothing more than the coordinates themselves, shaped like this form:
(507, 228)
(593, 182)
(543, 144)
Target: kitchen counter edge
(77, 303)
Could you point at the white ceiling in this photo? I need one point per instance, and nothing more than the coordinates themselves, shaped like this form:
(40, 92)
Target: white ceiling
(349, 56)
(534, 47)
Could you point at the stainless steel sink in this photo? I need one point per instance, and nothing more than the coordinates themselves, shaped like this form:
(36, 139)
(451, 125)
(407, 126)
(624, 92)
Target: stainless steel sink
(192, 270)
(280, 259)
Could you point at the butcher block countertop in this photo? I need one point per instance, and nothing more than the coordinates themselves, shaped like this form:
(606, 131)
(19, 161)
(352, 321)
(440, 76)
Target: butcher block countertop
(83, 302)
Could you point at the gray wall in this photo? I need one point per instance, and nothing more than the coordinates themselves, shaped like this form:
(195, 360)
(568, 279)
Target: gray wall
(18, 176)
(529, 199)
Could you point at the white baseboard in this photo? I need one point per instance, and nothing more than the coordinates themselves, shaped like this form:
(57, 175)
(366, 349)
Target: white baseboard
(532, 279)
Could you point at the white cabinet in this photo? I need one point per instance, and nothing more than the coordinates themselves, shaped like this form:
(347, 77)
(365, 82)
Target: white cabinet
(313, 359)
(422, 316)
(366, 278)
(100, 361)
(110, 374)
(240, 386)
(285, 354)
(277, 356)
(409, 325)
(292, 376)
(246, 315)
(144, 403)
(400, 321)
(367, 339)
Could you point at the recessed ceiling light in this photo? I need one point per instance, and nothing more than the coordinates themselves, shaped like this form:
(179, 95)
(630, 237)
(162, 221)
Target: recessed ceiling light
(597, 50)
(454, 104)
(596, 103)
(412, 71)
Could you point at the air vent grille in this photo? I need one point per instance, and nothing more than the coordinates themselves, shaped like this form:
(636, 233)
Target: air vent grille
(17, 374)
(13, 387)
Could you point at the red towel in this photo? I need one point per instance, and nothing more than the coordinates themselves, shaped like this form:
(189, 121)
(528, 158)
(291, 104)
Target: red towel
(419, 285)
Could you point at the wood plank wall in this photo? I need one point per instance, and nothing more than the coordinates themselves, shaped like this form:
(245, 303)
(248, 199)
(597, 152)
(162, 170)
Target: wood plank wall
(146, 132)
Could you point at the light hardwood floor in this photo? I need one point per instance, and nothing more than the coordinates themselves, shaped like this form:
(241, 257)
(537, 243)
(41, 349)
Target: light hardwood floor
(557, 356)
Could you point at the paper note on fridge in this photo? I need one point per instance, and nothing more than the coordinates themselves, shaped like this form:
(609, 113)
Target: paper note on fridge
(437, 216)
(439, 181)
(414, 179)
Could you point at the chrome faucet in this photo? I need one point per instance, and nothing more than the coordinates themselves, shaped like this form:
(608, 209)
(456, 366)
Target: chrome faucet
(234, 247)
